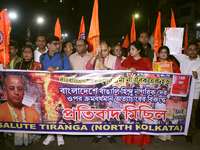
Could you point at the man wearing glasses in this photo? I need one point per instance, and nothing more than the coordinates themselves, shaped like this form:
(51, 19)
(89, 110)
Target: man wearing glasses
(53, 59)
(79, 59)
(117, 51)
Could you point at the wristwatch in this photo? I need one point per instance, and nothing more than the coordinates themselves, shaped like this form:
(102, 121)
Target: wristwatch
(57, 68)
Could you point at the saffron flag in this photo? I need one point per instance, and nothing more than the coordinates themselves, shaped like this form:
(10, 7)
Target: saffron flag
(93, 35)
(82, 29)
(133, 33)
(173, 23)
(5, 28)
(186, 39)
(57, 31)
(126, 42)
(157, 35)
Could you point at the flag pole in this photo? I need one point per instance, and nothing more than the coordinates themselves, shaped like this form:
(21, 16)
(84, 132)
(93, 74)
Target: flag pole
(98, 45)
(4, 56)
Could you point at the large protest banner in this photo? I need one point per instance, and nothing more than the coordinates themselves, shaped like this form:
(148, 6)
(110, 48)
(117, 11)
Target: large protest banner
(96, 102)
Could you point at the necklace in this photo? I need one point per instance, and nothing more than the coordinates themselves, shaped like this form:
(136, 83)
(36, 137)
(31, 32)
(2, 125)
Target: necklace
(13, 114)
(30, 65)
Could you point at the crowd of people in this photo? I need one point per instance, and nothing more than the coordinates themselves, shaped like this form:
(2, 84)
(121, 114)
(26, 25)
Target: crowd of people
(138, 57)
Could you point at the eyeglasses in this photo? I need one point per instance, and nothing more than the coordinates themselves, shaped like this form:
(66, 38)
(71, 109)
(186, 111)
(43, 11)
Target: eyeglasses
(79, 45)
(118, 50)
(55, 44)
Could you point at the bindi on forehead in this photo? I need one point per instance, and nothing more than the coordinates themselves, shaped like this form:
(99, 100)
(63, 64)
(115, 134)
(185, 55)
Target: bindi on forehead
(27, 50)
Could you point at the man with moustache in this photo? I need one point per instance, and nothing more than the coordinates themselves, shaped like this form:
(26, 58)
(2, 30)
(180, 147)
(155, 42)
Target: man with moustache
(190, 64)
(53, 60)
(41, 49)
(14, 59)
(144, 39)
(117, 51)
(67, 48)
(103, 60)
(106, 60)
(79, 59)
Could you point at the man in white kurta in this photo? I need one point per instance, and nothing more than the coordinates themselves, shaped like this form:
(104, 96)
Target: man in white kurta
(190, 64)
(103, 60)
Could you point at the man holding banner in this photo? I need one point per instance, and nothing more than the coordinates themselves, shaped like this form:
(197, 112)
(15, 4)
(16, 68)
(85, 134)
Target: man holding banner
(53, 60)
(191, 65)
(106, 61)
(103, 60)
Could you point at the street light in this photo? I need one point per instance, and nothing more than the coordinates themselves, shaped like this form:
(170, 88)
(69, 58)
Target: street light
(64, 35)
(198, 24)
(12, 15)
(136, 15)
(40, 20)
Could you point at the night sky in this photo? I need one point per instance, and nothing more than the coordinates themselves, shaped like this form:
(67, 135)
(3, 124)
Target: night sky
(114, 17)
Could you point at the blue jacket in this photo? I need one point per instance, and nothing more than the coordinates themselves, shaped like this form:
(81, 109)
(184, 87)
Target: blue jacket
(55, 61)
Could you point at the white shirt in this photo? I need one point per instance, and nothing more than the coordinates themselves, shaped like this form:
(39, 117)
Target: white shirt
(1, 66)
(123, 58)
(37, 54)
(187, 66)
(155, 57)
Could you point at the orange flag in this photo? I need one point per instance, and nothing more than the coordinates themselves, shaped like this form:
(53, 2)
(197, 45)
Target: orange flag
(133, 33)
(5, 28)
(57, 31)
(173, 23)
(157, 35)
(126, 42)
(82, 29)
(186, 39)
(93, 35)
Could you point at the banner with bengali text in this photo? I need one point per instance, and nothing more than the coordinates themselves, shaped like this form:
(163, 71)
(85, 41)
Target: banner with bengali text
(96, 102)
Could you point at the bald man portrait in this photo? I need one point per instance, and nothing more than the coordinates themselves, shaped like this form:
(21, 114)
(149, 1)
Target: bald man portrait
(14, 110)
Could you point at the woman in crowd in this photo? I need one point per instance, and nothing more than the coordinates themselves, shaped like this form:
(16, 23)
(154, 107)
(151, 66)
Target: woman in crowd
(67, 48)
(27, 62)
(163, 54)
(136, 61)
